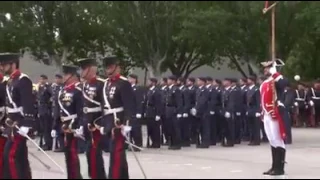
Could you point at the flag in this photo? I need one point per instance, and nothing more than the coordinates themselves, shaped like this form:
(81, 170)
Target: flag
(266, 4)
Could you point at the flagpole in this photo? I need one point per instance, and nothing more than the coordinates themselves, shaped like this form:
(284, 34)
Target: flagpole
(273, 34)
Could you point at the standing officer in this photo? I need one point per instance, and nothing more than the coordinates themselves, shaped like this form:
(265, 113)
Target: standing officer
(136, 133)
(229, 110)
(218, 116)
(164, 124)
(118, 107)
(300, 105)
(288, 101)
(253, 111)
(174, 112)
(213, 109)
(272, 98)
(92, 88)
(239, 104)
(3, 139)
(153, 114)
(199, 111)
(192, 120)
(70, 106)
(56, 87)
(243, 118)
(185, 123)
(20, 119)
(44, 110)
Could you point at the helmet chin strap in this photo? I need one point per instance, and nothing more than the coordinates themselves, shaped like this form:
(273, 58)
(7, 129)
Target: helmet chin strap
(65, 82)
(114, 70)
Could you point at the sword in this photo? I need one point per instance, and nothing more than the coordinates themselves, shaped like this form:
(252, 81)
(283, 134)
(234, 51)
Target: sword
(134, 155)
(31, 140)
(41, 162)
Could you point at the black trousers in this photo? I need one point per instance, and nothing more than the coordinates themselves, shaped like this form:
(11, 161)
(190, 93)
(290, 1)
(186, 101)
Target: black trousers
(165, 129)
(136, 133)
(254, 124)
(94, 156)
(229, 131)
(46, 127)
(237, 128)
(186, 129)
(71, 156)
(175, 130)
(204, 129)
(15, 159)
(214, 128)
(194, 121)
(118, 165)
(153, 127)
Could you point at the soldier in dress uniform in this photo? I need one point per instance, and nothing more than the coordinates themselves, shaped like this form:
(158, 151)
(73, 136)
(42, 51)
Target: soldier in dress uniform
(218, 116)
(174, 112)
(136, 133)
(289, 97)
(229, 100)
(165, 139)
(153, 114)
(3, 139)
(185, 121)
(213, 109)
(92, 88)
(238, 107)
(273, 110)
(70, 107)
(244, 121)
(313, 99)
(300, 106)
(253, 111)
(118, 112)
(55, 88)
(192, 88)
(199, 111)
(44, 111)
(20, 119)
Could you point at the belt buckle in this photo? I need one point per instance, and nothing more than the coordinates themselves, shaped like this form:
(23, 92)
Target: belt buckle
(85, 110)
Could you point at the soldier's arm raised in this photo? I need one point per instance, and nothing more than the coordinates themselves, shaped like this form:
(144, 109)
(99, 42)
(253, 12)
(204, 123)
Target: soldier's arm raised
(27, 102)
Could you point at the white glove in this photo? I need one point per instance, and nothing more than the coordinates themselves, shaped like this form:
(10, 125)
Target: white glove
(102, 130)
(23, 131)
(138, 116)
(247, 113)
(212, 112)
(179, 115)
(125, 130)
(185, 115)
(79, 132)
(311, 103)
(193, 111)
(258, 114)
(273, 69)
(158, 118)
(227, 115)
(53, 133)
(238, 114)
(296, 104)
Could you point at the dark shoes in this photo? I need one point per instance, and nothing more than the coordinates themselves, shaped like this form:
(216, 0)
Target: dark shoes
(278, 161)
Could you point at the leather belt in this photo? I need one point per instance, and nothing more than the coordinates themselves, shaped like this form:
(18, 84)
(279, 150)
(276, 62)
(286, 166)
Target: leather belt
(15, 110)
(68, 118)
(87, 110)
(111, 111)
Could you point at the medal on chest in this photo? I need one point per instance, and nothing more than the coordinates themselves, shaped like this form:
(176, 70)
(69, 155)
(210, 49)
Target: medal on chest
(91, 91)
(67, 98)
(112, 91)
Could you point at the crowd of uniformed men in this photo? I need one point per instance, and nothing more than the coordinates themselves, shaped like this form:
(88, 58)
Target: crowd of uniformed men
(81, 112)
(179, 112)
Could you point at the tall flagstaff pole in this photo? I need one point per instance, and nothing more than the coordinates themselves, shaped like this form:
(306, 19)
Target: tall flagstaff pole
(273, 27)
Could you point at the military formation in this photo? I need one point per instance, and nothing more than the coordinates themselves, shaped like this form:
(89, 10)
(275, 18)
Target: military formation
(82, 113)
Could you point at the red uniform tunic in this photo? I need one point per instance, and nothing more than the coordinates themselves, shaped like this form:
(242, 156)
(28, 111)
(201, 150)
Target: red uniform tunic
(267, 90)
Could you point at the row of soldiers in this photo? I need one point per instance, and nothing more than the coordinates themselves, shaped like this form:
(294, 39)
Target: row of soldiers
(86, 110)
(201, 111)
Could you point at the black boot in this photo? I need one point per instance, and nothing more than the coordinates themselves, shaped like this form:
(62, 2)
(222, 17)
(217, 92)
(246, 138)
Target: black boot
(273, 153)
(280, 160)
